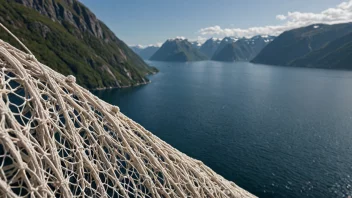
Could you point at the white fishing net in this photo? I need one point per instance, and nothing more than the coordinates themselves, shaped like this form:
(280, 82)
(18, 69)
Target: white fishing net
(58, 139)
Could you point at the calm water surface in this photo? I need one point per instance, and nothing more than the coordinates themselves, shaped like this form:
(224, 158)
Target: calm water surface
(275, 131)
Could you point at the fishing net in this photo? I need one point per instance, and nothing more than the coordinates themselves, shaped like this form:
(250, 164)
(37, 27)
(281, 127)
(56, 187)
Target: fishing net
(58, 139)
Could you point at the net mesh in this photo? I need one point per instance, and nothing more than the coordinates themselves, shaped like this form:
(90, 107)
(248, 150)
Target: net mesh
(58, 139)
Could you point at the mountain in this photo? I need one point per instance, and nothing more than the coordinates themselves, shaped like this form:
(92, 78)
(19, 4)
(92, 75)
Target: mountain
(196, 44)
(291, 46)
(144, 52)
(241, 49)
(137, 48)
(224, 42)
(148, 52)
(178, 50)
(67, 36)
(335, 55)
(210, 46)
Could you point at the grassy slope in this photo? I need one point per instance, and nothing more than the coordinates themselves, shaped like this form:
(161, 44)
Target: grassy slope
(69, 51)
(337, 54)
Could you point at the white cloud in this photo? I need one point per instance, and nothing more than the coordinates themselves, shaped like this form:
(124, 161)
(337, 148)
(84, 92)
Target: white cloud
(199, 39)
(145, 46)
(157, 45)
(281, 17)
(139, 46)
(340, 14)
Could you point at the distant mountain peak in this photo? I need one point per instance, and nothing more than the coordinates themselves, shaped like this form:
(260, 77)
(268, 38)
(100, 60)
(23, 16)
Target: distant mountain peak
(178, 50)
(137, 46)
(210, 46)
(240, 49)
(179, 38)
(146, 52)
(230, 39)
(197, 43)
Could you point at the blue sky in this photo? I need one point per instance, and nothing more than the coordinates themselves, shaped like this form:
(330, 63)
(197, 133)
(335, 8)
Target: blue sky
(153, 21)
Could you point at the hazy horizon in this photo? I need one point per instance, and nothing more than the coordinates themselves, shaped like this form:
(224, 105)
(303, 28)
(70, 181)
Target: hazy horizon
(150, 23)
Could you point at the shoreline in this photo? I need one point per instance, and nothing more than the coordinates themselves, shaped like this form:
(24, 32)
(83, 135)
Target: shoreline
(122, 87)
(125, 86)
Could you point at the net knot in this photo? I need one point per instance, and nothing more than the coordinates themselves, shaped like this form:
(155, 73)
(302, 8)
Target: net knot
(227, 192)
(3, 135)
(115, 109)
(3, 111)
(43, 121)
(60, 183)
(80, 149)
(101, 137)
(23, 166)
(70, 79)
(7, 189)
(30, 57)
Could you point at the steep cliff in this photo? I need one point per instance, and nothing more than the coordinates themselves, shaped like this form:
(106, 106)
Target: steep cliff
(67, 36)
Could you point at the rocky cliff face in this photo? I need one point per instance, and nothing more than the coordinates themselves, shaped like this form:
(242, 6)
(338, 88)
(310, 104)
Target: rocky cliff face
(70, 11)
(209, 47)
(67, 36)
(178, 50)
(243, 49)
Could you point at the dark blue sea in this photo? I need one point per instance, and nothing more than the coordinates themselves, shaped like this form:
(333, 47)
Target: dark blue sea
(274, 131)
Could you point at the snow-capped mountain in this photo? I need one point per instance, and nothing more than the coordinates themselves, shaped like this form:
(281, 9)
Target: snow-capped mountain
(137, 48)
(224, 42)
(226, 49)
(241, 49)
(210, 46)
(178, 50)
(196, 44)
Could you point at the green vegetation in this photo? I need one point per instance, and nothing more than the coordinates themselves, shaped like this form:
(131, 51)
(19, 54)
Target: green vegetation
(97, 62)
(337, 54)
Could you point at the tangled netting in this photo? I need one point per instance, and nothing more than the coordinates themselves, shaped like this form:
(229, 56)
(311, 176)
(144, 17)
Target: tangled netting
(58, 139)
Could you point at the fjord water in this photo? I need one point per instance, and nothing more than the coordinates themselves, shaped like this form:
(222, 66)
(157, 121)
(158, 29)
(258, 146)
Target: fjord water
(274, 131)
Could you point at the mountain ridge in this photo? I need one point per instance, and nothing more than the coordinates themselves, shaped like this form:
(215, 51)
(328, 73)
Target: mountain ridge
(145, 52)
(178, 50)
(240, 49)
(67, 36)
(335, 55)
(297, 43)
(209, 47)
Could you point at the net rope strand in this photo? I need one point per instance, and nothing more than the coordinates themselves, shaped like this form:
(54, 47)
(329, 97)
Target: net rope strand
(59, 140)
